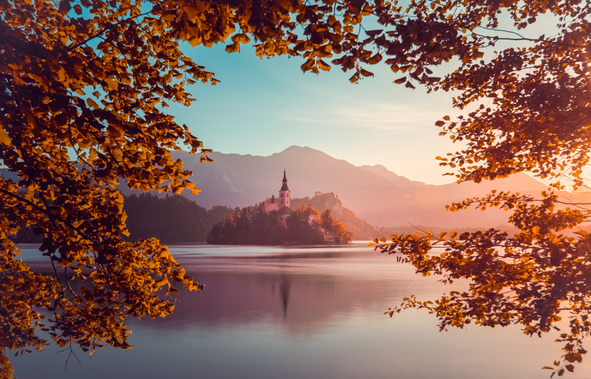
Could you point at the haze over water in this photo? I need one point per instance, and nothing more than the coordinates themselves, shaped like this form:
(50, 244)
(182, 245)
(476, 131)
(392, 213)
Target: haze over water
(307, 312)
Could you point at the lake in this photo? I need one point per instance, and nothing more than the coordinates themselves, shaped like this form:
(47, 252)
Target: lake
(303, 312)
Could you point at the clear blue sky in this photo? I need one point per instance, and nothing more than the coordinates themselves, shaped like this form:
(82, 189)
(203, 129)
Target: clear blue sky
(263, 106)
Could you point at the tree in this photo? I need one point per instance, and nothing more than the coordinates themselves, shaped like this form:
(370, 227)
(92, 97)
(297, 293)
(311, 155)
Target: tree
(303, 226)
(536, 119)
(335, 226)
(83, 88)
(172, 219)
(254, 226)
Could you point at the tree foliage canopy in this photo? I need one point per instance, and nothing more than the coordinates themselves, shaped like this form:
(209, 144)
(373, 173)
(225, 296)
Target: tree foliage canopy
(82, 86)
(254, 226)
(82, 91)
(530, 279)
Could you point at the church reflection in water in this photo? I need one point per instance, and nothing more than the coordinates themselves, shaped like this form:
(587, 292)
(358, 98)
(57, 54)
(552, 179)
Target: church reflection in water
(303, 313)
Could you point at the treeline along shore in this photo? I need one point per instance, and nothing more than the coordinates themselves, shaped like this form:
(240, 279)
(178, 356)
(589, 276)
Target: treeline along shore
(171, 219)
(176, 219)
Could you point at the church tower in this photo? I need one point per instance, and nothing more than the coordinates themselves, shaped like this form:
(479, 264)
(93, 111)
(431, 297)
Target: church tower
(284, 194)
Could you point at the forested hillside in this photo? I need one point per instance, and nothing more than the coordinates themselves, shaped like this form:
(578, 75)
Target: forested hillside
(360, 229)
(172, 219)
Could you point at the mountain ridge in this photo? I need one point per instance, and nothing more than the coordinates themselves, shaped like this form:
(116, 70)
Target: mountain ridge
(373, 193)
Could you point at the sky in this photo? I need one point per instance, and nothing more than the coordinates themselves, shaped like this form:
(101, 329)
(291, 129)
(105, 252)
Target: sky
(263, 106)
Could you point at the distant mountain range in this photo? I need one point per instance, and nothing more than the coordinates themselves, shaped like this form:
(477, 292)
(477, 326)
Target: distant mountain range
(373, 193)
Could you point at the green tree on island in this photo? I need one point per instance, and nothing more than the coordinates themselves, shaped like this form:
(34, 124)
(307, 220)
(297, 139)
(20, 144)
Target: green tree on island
(254, 226)
(83, 88)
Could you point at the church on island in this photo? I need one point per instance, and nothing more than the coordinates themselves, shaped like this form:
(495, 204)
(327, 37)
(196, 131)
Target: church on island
(273, 222)
(282, 205)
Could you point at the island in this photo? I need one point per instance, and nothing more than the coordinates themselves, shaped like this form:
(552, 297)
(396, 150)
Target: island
(273, 222)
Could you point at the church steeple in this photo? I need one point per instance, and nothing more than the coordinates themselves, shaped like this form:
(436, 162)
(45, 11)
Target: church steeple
(284, 193)
(284, 186)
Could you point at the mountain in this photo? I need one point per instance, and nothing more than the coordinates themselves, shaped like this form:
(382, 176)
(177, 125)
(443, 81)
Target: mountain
(429, 201)
(373, 193)
(240, 180)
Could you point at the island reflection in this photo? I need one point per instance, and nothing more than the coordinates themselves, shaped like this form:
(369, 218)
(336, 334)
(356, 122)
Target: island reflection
(300, 293)
(314, 312)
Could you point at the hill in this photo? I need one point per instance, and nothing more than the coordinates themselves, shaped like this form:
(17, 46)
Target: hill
(373, 193)
(360, 229)
(171, 219)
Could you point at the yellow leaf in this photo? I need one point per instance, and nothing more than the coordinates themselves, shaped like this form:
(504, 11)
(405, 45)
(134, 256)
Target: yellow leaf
(323, 65)
(233, 48)
(367, 10)
(118, 154)
(194, 41)
(240, 38)
(30, 191)
(92, 103)
(4, 138)
(307, 66)
(112, 83)
(162, 282)
(114, 132)
(191, 12)
(366, 73)
(375, 59)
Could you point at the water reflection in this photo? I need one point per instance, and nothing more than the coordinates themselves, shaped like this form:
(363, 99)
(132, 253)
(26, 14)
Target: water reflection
(303, 313)
(300, 293)
(284, 289)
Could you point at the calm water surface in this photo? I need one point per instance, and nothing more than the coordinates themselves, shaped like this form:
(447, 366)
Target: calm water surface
(317, 312)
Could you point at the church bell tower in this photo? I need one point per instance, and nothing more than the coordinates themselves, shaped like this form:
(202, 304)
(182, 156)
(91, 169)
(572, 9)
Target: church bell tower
(284, 194)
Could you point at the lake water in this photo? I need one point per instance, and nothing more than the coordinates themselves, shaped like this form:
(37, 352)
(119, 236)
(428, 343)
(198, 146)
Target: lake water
(317, 312)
